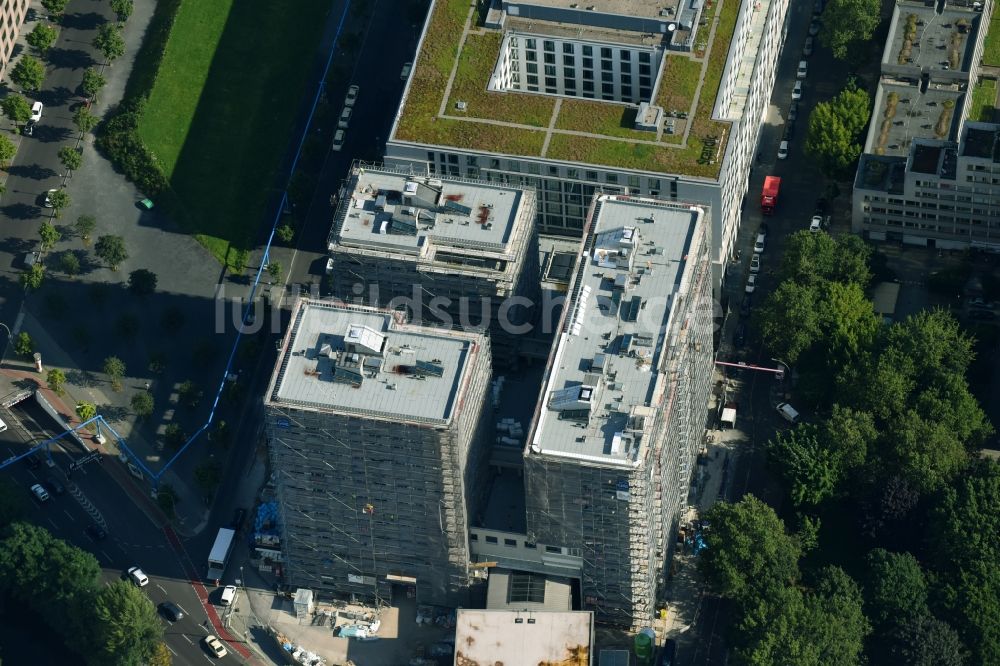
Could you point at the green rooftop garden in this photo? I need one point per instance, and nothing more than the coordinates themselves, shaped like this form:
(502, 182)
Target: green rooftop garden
(482, 125)
(984, 100)
(991, 49)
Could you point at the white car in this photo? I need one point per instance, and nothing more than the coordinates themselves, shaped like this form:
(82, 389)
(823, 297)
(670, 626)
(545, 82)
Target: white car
(228, 595)
(215, 646)
(751, 283)
(138, 577)
(405, 73)
(338, 140)
(783, 150)
(352, 96)
(755, 263)
(803, 69)
(48, 198)
(797, 91)
(40, 493)
(815, 224)
(345, 118)
(36, 111)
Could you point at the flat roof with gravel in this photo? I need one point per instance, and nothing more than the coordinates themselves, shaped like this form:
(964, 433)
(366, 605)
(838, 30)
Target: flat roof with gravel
(456, 59)
(523, 637)
(362, 361)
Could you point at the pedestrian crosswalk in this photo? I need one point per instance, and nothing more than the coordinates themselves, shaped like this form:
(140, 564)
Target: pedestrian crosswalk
(87, 505)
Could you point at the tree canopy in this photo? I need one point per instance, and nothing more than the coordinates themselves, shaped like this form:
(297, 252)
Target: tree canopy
(848, 24)
(834, 136)
(16, 108)
(130, 629)
(29, 73)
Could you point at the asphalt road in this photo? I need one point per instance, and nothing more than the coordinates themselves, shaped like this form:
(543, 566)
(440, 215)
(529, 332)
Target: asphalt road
(93, 497)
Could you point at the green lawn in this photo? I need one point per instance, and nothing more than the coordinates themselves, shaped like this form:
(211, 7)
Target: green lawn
(220, 112)
(984, 97)
(991, 49)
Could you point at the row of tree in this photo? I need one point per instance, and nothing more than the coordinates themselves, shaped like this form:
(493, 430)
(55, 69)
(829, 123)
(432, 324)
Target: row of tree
(885, 485)
(105, 624)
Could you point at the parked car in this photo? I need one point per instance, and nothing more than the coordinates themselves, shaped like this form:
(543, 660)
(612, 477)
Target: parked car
(803, 69)
(815, 224)
(793, 111)
(762, 229)
(338, 140)
(39, 492)
(741, 335)
(29, 128)
(48, 198)
(758, 244)
(33, 461)
(814, 28)
(788, 412)
(745, 306)
(36, 112)
(797, 90)
(789, 130)
(783, 150)
(345, 118)
(137, 576)
(215, 646)
(405, 73)
(352, 96)
(228, 595)
(751, 284)
(807, 47)
(171, 611)
(755, 263)
(54, 485)
(96, 532)
(238, 517)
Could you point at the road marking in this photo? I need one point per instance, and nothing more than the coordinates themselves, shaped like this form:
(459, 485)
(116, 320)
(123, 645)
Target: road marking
(182, 609)
(207, 659)
(171, 649)
(53, 524)
(105, 554)
(70, 517)
(184, 636)
(161, 588)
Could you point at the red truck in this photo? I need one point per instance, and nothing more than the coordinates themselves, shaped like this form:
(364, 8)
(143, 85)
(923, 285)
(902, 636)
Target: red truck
(769, 195)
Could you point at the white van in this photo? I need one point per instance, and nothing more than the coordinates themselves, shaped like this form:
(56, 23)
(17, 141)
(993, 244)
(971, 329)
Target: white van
(788, 412)
(758, 245)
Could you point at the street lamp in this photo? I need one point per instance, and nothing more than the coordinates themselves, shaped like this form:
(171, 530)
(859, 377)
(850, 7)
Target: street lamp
(6, 344)
(781, 374)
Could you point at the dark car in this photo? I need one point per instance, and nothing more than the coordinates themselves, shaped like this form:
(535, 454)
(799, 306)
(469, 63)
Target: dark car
(238, 516)
(741, 335)
(54, 485)
(763, 228)
(668, 653)
(789, 130)
(33, 461)
(745, 306)
(171, 611)
(821, 206)
(29, 128)
(96, 532)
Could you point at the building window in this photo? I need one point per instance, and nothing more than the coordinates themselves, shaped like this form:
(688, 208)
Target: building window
(510, 542)
(605, 52)
(550, 70)
(529, 545)
(591, 175)
(588, 86)
(567, 47)
(588, 63)
(588, 50)
(549, 46)
(588, 75)
(532, 68)
(532, 81)
(531, 56)
(470, 160)
(633, 182)
(550, 58)
(607, 77)
(525, 588)
(553, 549)
(529, 43)
(612, 178)
(473, 537)
(570, 74)
(491, 539)
(568, 61)
(553, 171)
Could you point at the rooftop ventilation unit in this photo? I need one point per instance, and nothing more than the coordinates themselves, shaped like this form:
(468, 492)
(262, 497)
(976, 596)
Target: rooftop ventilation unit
(428, 369)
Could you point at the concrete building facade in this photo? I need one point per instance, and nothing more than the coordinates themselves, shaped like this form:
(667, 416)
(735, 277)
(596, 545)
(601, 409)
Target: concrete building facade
(377, 435)
(489, 124)
(12, 13)
(930, 173)
(448, 251)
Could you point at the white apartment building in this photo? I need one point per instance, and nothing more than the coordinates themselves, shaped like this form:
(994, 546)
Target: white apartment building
(930, 173)
(573, 100)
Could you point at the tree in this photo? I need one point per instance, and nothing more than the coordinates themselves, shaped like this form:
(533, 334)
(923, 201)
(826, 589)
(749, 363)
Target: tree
(11, 503)
(142, 282)
(789, 320)
(895, 588)
(70, 157)
(112, 250)
(142, 404)
(42, 37)
(7, 151)
(84, 119)
(161, 655)
(23, 344)
(829, 142)
(966, 555)
(110, 42)
(189, 394)
(174, 435)
(853, 106)
(49, 235)
(55, 380)
(55, 6)
(747, 550)
(810, 470)
(32, 277)
(207, 476)
(122, 9)
(129, 630)
(285, 233)
(220, 434)
(114, 368)
(85, 225)
(887, 506)
(16, 108)
(86, 411)
(59, 200)
(848, 25)
(921, 640)
(29, 73)
(92, 83)
(274, 270)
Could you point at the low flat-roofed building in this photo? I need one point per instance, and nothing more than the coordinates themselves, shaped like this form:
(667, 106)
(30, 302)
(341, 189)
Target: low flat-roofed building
(491, 637)
(378, 435)
(929, 171)
(451, 252)
(613, 439)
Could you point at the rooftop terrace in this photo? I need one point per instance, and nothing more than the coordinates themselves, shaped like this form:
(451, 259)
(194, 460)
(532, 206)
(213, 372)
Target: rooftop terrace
(361, 361)
(928, 41)
(561, 128)
(396, 212)
(603, 374)
(904, 113)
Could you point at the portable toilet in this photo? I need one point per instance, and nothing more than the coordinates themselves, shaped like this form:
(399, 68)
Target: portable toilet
(645, 647)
